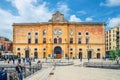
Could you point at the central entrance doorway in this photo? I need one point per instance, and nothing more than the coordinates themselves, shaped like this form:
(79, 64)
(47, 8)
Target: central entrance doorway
(57, 52)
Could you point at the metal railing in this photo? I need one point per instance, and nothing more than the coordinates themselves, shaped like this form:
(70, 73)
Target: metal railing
(27, 71)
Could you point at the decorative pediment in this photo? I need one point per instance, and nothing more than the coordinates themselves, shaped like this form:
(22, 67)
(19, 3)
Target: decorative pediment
(58, 17)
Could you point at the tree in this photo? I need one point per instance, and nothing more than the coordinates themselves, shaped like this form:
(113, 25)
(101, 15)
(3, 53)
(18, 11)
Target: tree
(6, 39)
(115, 55)
(112, 54)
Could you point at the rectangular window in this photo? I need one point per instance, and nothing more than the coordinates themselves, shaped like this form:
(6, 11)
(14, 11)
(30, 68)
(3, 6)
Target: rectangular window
(36, 41)
(71, 40)
(87, 40)
(44, 40)
(79, 41)
(29, 41)
(60, 40)
(8, 47)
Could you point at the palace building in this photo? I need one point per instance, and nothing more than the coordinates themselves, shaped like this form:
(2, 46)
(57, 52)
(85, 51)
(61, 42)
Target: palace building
(59, 38)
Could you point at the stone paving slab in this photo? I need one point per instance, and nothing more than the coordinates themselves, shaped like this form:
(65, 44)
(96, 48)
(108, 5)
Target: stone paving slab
(81, 73)
(40, 75)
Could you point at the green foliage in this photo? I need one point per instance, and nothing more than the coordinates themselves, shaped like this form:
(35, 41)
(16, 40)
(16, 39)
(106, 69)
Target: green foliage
(115, 55)
(118, 53)
(112, 54)
(6, 39)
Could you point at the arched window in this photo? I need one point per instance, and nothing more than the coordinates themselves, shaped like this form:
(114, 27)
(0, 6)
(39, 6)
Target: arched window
(36, 33)
(18, 49)
(79, 33)
(60, 40)
(55, 40)
(29, 33)
(71, 49)
(87, 33)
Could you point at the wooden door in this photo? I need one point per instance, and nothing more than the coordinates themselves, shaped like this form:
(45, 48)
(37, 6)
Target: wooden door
(58, 56)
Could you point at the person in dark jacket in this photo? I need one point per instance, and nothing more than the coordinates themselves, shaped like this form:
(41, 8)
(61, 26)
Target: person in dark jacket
(19, 71)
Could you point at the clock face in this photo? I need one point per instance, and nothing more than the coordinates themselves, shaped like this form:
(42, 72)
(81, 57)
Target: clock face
(60, 32)
(71, 32)
(55, 32)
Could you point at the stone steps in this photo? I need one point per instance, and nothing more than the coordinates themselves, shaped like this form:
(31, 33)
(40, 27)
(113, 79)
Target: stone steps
(40, 75)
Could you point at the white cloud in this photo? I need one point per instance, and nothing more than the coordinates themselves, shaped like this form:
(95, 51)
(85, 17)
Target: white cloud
(110, 3)
(27, 13)
(30, 12)
(63, 8)
(88, 19)
(81, 12)
(114, 22)
(73, 18)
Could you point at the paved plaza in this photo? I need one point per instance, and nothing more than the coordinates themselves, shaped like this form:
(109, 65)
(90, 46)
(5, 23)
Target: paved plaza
(83, 73)
(75, 71)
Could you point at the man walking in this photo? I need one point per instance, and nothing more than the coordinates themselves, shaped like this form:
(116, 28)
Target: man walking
(19, 70)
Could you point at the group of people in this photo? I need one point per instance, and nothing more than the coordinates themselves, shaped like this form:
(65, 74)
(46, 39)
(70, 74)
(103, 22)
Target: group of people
(19, 68)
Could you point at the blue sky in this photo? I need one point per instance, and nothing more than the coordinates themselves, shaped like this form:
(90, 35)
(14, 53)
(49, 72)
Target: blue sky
(15, 11)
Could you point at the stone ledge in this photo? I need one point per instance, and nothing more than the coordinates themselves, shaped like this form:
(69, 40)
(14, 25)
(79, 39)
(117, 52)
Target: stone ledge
(40, 75)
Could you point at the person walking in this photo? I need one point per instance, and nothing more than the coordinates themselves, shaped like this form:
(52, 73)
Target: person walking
(80, 59)
(23, 60)
(19, 71)
(13, 60)
(30, 64)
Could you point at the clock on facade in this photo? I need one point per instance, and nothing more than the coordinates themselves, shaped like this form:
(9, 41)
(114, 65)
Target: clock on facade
(55, 32)
(60, 32)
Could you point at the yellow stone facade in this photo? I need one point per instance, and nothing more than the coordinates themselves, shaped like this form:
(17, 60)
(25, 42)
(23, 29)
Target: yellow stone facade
(87, 39)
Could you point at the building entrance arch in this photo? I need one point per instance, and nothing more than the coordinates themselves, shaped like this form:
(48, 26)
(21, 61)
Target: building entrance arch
(57, 52)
